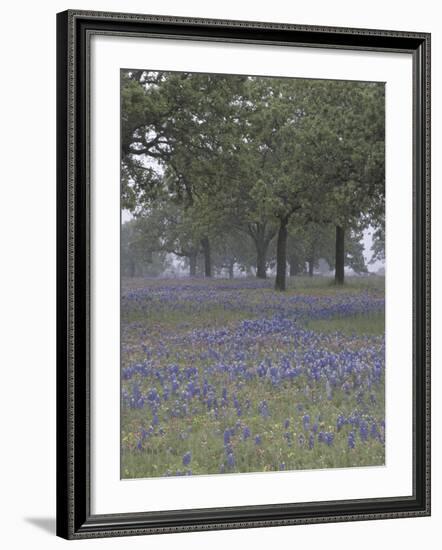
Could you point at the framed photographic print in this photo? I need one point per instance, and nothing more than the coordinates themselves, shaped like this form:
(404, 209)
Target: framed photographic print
(243, 274)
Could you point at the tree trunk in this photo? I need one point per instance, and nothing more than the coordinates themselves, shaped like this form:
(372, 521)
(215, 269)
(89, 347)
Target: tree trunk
(340, 255)
(281, 255)
(261, 237)
(261, 253)
(311, 265)
(192, 265)
(207, 258)
(231, 264)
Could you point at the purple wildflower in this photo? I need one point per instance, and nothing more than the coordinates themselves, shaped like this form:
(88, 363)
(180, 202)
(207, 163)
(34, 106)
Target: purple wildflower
(187, 458)
(230, 460)
(351, 440)
(306, 421)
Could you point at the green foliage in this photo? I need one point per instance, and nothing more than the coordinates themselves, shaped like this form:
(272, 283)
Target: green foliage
(230, 158)
(378, 247)
(141, 254)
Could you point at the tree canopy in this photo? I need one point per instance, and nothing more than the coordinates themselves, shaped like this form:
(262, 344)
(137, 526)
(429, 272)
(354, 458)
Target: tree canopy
(244, 172)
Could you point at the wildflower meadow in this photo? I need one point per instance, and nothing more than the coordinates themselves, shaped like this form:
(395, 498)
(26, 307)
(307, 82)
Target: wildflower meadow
(228, 376)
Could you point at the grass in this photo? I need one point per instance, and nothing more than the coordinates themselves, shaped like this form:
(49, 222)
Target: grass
(369, 325)
(183, 320)
(322, 284)
(280, 447)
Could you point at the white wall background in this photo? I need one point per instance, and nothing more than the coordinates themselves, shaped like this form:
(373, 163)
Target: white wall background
(27, 303)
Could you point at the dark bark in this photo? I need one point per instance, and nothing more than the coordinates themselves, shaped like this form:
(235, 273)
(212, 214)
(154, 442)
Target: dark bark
(231, 264)
(192, 264)
(340, 255)
(311, 266)
(207, 257)
(261, 253)
(261, 237)
(281, 255)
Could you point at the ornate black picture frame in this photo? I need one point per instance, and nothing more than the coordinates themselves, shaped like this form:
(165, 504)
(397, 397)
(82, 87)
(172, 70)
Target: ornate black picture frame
(74, 517)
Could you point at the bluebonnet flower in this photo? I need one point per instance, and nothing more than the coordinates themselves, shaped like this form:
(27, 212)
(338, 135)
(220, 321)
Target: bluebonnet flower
(187, 457)
(258, 440)
(228, 449)
(351, 440)
(230, 460)
(340, 422)
(363, 431)
(226, 437)
(246, 432)
(328, 438)
(264, 409)
(306, 421)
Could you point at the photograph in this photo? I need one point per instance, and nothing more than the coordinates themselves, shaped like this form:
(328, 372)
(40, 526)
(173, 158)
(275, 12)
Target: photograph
(252, 264)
